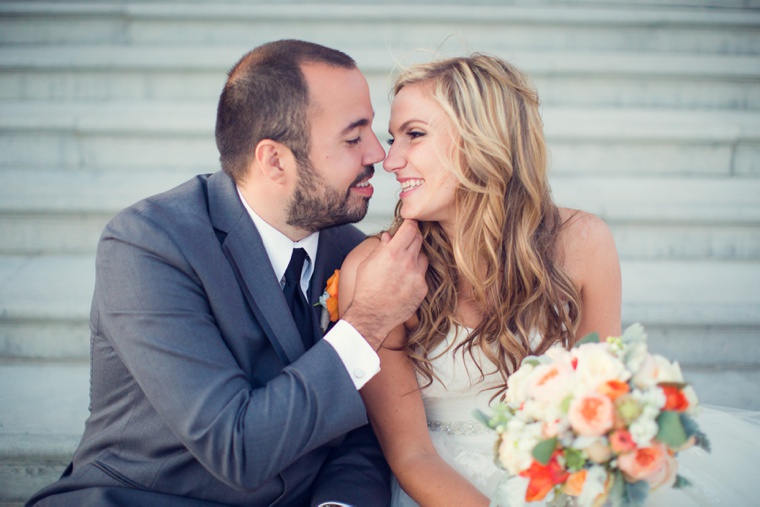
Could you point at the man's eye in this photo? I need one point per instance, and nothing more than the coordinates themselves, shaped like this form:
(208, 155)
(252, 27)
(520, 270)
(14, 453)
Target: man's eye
(354, 141)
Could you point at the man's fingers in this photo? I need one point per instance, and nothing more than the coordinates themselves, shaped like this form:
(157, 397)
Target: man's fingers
(422, 262)
(406, 235)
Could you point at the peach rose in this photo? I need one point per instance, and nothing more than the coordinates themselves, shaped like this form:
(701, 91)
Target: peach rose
(644, 463)
(666, 475)
(591, 415)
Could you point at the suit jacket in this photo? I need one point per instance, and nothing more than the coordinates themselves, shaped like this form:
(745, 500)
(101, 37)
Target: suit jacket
(201, 391)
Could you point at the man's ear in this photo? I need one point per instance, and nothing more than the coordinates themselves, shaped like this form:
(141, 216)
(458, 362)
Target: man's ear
(275, 160)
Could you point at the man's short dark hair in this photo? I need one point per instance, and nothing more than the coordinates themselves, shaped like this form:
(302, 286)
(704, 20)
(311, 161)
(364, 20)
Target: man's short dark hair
(266, 97)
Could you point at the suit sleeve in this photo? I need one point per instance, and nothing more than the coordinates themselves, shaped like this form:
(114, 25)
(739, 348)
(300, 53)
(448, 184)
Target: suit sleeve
(154, 310)
(355, 473)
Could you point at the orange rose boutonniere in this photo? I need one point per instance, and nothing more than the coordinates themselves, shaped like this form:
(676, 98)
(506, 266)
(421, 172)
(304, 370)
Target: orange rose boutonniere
(329, 301)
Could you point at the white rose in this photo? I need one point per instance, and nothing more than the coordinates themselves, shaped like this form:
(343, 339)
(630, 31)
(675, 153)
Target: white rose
(517, 392)
(645, 375)
(667, 371)
(516, 448)
(596, 365)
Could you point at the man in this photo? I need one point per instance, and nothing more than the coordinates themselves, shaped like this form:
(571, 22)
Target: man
(207, 388)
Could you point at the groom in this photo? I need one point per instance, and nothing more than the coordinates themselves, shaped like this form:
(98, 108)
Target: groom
(211, 381)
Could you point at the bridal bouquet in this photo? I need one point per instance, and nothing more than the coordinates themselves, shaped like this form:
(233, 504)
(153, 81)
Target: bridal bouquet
(600, 423)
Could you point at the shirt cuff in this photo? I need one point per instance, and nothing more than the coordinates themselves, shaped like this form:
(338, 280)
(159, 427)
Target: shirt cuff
(361, 361)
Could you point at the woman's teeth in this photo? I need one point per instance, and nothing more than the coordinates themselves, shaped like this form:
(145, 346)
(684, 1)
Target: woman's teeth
(410, 184)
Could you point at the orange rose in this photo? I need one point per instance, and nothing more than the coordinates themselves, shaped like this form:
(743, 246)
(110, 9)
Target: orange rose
(574, 484)
(674, 399)
(613, 389)
(332, 290)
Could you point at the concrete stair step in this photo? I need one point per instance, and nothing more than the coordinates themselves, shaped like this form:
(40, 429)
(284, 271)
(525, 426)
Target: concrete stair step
(44, 409)
(569, 27)
(179, 136)
(93, 72)
(45, 303)
(57, 211)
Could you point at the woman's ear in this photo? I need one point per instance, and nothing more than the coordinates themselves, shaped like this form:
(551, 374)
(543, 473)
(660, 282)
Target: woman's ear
(275, 160)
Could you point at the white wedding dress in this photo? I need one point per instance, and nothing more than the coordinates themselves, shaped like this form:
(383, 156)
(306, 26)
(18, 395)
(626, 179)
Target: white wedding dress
(727, 476)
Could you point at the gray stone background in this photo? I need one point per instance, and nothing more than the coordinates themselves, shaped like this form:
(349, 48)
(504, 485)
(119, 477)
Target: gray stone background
(652, 115)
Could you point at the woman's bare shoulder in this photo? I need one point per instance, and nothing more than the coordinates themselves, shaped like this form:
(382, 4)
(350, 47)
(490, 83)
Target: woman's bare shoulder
(583, 229)
(585, 241)
(361, 252)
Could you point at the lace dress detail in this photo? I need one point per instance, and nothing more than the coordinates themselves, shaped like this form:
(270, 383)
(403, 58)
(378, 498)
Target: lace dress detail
(724, 477)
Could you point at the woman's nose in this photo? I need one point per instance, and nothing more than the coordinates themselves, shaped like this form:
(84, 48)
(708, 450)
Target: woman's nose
(393, 160)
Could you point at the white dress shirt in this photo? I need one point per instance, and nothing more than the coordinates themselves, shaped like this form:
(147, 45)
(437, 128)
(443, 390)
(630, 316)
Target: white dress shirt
(359, 358)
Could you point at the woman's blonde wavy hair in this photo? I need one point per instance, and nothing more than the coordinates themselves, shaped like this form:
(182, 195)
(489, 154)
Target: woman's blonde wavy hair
(506, 232)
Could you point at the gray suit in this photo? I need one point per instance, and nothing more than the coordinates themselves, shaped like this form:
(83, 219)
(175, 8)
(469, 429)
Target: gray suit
(202, 392)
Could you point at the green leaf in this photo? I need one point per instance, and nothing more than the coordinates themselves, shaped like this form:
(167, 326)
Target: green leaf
(671, 431)
(634, 333)
(531, 361)
(589, 338)
(636, 493)
(617, 491)
(574, 459)
(482, 417)
(543, 450)
(681, 482)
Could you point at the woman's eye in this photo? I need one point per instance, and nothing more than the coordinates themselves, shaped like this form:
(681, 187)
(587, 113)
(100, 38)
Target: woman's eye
(414, 134)
(390, 141)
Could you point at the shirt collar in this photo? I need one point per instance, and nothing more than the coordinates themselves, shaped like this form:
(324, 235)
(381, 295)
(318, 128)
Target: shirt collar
(279, 247)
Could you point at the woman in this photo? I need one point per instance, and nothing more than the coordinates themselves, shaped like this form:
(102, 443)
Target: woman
(510, 274)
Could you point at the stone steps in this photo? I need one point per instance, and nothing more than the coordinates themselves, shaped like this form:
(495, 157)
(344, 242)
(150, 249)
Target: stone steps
(179, 136)
(101, 73)
(45, 302)
(64, 211)
(565, 26)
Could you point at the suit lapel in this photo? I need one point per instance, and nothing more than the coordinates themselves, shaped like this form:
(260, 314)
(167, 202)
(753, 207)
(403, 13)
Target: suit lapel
(246, 254)
(328, 260)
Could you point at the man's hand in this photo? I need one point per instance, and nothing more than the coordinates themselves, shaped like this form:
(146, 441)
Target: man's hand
(390, 284)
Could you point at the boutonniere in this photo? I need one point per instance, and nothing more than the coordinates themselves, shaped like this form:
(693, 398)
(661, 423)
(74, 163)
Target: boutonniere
(329, 301)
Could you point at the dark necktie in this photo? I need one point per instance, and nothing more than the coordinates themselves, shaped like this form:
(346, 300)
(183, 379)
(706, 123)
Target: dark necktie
(299, 307)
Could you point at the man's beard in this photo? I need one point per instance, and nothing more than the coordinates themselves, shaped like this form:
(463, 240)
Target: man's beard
(315, 205)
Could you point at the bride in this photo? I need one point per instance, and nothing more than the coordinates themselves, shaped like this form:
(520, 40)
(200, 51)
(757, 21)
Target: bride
(510, 274)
